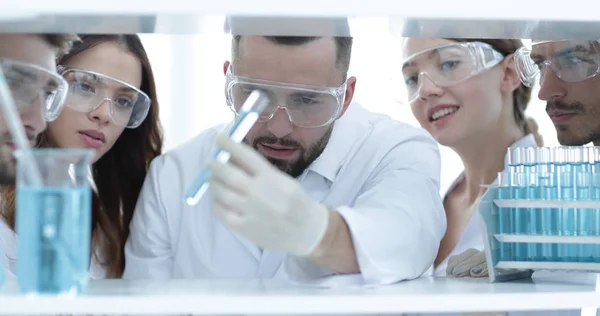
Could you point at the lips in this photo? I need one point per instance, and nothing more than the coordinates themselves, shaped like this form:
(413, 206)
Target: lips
(277, 151)
(439, 111)
(93, 139)
(560, 117)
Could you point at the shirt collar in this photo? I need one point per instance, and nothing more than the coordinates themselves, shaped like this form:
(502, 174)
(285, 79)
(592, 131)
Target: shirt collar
(345, 135)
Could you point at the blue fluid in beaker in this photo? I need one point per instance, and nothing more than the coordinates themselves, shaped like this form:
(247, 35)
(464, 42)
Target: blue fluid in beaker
(53, 233)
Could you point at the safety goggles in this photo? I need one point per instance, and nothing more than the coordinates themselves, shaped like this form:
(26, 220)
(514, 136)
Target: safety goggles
(305, 106)
(571, 61)
(32, 86)
(447, 65)
(88, 90)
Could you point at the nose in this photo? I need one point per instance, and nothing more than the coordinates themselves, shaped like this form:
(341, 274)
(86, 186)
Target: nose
(427, 88)
(101, 113)
(279, 125)
(33, 116)
(551, 87)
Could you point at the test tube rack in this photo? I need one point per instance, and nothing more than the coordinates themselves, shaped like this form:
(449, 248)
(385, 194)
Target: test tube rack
(543, 213)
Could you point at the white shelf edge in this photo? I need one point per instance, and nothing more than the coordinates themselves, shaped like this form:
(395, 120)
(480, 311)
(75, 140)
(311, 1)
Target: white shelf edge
(541, 265)
(520, 204)
(548, 239)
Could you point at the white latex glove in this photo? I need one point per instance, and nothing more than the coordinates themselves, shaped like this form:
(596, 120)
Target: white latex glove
(470, 263)
(263, 204)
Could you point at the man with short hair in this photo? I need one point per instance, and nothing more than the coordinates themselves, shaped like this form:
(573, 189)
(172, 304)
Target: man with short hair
(318, 187)
(28, 62)
(567, 71)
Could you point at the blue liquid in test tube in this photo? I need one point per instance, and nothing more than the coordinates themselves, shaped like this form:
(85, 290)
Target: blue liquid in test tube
(506, 249)
(516, 169)
(530, 216)
(582, 183)
(566, 252)
(595, 213)
(548, 192)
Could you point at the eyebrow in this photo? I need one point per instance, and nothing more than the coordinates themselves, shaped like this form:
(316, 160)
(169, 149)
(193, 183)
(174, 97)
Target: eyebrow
(577, 48)
(412, 63)
(25, 74)
(305, 94)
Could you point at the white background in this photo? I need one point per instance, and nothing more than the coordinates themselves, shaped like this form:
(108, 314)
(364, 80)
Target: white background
(190, 81)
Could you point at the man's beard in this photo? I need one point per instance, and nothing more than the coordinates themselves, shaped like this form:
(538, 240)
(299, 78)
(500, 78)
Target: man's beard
(296, 167)
(571, 135)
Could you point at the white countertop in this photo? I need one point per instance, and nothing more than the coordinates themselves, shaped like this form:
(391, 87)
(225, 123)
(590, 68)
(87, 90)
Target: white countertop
(219, 297)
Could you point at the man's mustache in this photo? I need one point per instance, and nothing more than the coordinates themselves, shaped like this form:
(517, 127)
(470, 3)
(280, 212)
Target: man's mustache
(560, 105)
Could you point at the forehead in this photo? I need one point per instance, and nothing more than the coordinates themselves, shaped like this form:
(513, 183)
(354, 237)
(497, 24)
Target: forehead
(28, 49)
(412, 46)
(111, 59)
(312, 63)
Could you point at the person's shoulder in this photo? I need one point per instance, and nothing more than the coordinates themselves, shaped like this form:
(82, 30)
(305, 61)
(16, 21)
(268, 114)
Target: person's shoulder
(383, 129)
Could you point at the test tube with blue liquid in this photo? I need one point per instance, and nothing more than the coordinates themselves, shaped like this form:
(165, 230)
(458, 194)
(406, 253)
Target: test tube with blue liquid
(518, 187)
(249, 113)
(529, 215)
(515, 167)
(595, 194)
(583, 193)
(504, 216)
(565, 160)
(548, 191)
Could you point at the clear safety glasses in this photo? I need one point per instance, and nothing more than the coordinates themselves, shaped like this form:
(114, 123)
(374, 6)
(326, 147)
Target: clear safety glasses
(88, 90)
(447, 65)
(32, 86)
(571, 61)
(305, 106)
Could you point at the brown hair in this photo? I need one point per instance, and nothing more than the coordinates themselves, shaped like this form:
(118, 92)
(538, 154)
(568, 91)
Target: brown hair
(118, 174)
(62, 43)
(343, 47)
(521, 95)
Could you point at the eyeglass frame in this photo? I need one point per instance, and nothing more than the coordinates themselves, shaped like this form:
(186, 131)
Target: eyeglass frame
(478, 65)
(62, 70)
(548, 63)
(58, 76)
(339, 93)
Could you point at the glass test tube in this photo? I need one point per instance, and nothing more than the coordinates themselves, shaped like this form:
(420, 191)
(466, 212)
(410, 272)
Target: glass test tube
(547, 192)
(504, 220)
(529, 215)
(595, 195)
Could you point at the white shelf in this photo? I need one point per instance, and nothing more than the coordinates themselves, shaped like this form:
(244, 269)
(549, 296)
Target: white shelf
(509, 10)
(220, 297)
(513, 19)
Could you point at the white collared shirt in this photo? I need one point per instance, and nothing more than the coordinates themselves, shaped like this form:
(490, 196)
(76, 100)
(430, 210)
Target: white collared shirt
(381, 175)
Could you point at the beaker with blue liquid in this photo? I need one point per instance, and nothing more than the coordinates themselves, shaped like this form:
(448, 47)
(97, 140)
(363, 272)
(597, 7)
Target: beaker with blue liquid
(53, 222)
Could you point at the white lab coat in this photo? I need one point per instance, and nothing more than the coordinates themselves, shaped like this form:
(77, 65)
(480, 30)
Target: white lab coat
(472, 237)
(381, 175)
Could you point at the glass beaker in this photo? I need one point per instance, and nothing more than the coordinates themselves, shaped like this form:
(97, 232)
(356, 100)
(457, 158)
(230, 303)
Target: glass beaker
(53, 222)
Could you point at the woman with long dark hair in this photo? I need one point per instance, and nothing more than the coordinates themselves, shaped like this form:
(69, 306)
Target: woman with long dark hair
(111, 108)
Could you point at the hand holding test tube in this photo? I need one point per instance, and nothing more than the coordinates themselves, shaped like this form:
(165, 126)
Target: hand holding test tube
(256, 103)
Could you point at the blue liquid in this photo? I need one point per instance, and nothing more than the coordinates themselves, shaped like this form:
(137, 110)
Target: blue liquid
(566, 252)
(531, 215)
(520, 222)
(506, 249)
(583, 216)
(595, 213)
(549, 218)
(53, 239)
